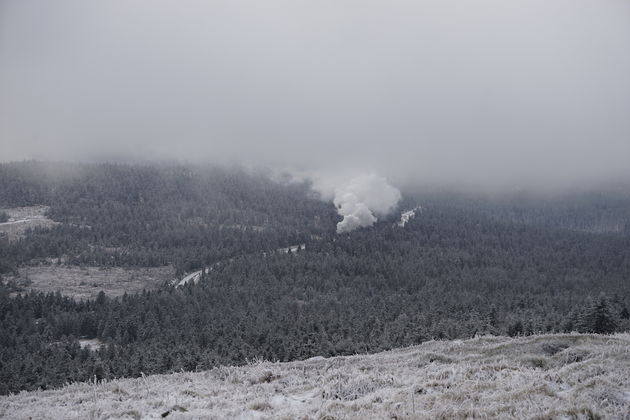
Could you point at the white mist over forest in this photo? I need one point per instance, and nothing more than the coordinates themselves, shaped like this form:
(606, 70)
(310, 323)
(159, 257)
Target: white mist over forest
(485, 92)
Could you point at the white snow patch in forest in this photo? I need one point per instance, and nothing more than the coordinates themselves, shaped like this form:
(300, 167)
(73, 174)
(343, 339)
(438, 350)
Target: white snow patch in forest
(90, 343)
(408, 215)
(292, 249)
(554, 376)
(23, 218)
(194, 277)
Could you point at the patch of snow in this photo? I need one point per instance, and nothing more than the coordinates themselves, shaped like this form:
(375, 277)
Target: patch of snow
(194, 277)
(23, 218)
(90, 343)
(292, 249)
(15, 222)
(408, 215)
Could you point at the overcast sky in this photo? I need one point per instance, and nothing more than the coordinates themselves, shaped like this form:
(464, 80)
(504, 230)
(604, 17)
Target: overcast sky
(475, 90)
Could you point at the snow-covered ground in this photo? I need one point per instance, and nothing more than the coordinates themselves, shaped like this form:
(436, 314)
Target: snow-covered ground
(407, 215)
(23, 218)
(86, 282)
(195, 276)
(565, 376)
(292, 249)
(90, 343)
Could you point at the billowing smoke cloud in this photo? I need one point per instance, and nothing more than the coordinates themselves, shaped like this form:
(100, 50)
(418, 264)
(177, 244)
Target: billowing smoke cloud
(359, 200)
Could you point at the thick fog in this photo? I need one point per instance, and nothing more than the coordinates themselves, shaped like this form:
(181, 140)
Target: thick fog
(480, 91)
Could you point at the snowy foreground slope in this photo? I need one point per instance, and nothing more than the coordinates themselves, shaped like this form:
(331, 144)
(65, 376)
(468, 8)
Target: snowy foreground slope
(537, 377)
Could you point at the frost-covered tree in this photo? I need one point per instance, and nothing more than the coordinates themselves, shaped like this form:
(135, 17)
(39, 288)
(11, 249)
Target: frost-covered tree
(597, 318)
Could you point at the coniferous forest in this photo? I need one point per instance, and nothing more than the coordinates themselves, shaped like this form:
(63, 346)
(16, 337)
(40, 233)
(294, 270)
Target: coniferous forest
(512, 265)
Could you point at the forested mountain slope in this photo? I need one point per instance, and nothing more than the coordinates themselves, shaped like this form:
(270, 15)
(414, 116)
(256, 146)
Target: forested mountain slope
(450, 272)
(602, 209)
(133, 215)
(446, 274)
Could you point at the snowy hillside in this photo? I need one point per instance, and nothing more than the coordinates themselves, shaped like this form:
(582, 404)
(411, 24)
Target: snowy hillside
(551, 376)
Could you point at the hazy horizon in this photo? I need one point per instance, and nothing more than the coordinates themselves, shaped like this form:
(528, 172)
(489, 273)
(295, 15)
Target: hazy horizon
(487, 92)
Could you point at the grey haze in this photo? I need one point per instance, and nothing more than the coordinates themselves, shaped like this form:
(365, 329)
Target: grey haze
(483, 91)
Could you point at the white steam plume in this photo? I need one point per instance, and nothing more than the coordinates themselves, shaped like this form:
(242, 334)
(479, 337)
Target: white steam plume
(363, 197)
(358, 198)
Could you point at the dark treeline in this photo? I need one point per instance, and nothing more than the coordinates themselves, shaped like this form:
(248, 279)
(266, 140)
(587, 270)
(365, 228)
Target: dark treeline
(602, 210)
(130, 215)
(447, 274)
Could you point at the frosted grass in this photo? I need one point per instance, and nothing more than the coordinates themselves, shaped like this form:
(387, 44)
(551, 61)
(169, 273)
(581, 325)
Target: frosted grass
(562, 376)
